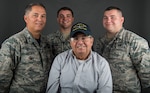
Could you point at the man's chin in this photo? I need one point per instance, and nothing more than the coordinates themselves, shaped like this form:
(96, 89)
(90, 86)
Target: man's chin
(39, 28)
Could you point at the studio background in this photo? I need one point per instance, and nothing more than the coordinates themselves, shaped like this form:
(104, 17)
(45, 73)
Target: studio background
(136, 13)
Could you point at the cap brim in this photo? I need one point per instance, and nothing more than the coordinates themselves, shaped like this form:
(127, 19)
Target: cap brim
(79, 31)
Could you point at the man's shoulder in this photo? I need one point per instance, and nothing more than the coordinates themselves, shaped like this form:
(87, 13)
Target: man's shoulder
(100, 61)
(134, 36)
(18, 37)
(14, 42)
(65, 53)
(134, 39)
(55, 37)
(54, 34)
(129, 33)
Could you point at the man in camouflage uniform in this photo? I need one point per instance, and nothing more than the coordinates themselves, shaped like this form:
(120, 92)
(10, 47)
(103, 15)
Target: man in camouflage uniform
(127, 53)
(24, 57)
(59, 40)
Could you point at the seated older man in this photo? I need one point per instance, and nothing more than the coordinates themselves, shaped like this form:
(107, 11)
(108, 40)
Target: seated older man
(80, 70)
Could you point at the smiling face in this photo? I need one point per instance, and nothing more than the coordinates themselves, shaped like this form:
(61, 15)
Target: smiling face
(81, 45)
(113, 20)
(35, 19)
(65, 19)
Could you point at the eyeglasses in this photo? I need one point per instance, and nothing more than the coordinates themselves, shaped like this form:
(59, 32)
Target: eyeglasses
(83, 38)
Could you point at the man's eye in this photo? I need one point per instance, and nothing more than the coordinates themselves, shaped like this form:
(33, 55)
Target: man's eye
(83, 38)
(35, 15)
(75, 38)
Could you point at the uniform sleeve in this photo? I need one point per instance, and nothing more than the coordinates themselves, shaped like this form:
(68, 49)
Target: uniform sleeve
(140, 55)
(6, 66)
(54, 77)
(50, 39)
(98, 46)
(105, 79)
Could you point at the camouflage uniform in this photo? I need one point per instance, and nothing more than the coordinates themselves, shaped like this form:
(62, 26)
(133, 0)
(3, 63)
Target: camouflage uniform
(24, 64)
(58, 43)
(129, 57)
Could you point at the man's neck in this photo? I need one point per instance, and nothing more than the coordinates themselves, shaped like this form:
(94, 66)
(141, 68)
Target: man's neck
(110, 35)
(65, 32)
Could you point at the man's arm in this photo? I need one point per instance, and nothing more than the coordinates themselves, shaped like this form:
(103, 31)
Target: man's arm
(54, 78)
(6, 66)
(105, 79)
(140, 55)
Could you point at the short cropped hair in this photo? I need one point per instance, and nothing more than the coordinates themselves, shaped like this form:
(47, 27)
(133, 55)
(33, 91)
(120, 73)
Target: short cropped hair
(29, 6)
(113, 7)
(65, 8)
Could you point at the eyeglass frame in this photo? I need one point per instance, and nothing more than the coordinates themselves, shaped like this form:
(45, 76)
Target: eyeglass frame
(83, 38)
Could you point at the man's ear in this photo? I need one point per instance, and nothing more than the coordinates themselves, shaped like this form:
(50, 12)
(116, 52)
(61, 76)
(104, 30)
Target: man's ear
(122, 19)
(25, 18)
(92, 40)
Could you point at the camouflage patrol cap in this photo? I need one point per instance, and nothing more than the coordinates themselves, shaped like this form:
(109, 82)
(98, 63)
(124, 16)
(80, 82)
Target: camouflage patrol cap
(80, 27)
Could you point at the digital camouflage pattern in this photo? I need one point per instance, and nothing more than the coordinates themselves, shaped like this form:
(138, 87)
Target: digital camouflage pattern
(129, 57)
(58, 43)
(24, 64)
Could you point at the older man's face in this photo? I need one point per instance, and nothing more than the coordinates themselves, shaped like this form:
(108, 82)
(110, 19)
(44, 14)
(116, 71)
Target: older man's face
(81, 45)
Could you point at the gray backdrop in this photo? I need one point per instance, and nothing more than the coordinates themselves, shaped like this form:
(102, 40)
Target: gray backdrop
(136, 13)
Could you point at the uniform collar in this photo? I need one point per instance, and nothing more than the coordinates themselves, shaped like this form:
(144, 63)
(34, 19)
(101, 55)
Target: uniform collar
(30, 38)
(60, 35)
(117, 36)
